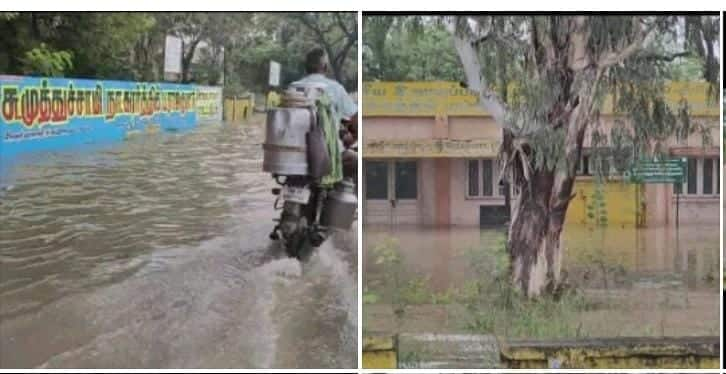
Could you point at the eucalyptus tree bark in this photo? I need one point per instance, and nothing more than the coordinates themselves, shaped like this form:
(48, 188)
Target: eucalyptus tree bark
(560, 53)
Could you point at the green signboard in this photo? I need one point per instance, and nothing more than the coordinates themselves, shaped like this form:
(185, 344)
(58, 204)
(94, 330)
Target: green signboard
(658, 171)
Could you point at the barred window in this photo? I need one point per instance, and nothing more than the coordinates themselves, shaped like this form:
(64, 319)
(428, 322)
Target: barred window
(483, 180)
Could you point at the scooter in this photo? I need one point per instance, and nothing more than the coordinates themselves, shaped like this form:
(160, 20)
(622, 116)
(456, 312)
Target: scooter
(309, 211)
(298, 225)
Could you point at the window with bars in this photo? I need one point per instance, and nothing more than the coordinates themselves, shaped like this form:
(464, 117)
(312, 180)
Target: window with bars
(483, 180)
(590, 165)
(376, 180)
(703, 177)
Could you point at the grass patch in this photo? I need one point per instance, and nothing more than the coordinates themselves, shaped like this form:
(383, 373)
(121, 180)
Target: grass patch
(507, 313)
(495, 307)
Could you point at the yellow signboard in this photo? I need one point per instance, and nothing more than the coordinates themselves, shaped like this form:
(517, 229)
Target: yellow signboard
(431, 148)
(418, 99)
(425, 99)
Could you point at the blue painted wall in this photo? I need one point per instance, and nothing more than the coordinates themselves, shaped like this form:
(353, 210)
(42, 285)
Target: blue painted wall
(41, 114)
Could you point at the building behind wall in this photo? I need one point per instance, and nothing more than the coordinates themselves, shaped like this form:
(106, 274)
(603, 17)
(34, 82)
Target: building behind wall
(430, 151)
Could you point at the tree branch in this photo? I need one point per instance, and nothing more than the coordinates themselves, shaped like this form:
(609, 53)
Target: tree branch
(578, 39)
(666, 57)
(342, 26)
(340, 59)
(318, 33)
(616, 57)
(476, 82)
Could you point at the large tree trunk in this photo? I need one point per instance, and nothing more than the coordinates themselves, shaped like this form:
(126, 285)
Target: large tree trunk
(559, 54)
(187, 59)
(539, 215)
(534, 234)
(537, 220)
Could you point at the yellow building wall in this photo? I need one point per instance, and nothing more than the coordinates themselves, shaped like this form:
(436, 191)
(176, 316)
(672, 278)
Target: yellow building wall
(415, 99)
(621, 203)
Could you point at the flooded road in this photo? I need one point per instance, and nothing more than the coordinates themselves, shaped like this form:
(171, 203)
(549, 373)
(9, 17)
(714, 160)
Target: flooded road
(651, 281)
(154, 253)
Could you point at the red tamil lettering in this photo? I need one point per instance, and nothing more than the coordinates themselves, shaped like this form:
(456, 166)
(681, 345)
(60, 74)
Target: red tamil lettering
(110, 106)
(126, 104)
(29, 107)
(70, 102)
(148, 109)
(97, 97)
(57, 107)
(44, 116)
(79, 102)
(9, 103)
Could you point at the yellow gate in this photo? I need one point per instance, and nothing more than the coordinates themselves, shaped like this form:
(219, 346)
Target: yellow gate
(238, 109)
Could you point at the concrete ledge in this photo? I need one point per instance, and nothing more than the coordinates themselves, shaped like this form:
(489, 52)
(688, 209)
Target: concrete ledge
(627, 352)
(380, 351)
(446, 351)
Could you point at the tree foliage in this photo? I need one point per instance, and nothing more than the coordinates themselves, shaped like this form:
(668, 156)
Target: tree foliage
(284, 38)
(336, 33)
(408, 49)
(130, 46)
(45, 62)
(560, 70)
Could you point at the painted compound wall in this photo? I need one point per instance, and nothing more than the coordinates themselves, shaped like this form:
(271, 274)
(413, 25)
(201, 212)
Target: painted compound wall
(618, 204)
(59, 113)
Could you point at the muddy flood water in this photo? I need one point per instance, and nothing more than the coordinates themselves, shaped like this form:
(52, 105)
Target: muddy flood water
(155, 253)
(635, 282)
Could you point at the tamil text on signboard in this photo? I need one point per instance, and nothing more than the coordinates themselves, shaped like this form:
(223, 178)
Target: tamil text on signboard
(658, 171)
(54, 113)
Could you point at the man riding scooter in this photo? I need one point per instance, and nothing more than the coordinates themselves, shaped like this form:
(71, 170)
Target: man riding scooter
(310, 151)
(345, 115)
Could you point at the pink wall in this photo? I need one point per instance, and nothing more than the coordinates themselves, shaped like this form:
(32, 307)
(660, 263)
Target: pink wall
(381, 128)
(442, 183)
(465, 211)
(443, 191)
(427, 191)
(697, 210)
(393, 128)
(474, 128)
(658, 204)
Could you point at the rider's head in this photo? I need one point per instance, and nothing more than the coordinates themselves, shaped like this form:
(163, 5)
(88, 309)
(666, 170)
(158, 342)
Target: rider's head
(316, 62)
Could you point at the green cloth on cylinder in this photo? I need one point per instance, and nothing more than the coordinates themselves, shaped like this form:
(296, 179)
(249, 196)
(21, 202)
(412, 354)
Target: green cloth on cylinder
(326, 120)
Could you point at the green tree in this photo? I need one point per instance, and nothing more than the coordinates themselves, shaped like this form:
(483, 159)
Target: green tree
(283, 38)
(99, 43)
(376, 31)
(130, 46)
(45, 62)
(564, 66)
(336, 33)
(408, 49)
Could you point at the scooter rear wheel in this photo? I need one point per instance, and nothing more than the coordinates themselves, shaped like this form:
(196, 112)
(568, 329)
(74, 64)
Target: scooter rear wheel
(296, 245)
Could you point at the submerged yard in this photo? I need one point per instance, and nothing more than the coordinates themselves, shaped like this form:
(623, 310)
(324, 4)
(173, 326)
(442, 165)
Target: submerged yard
(621, 282)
